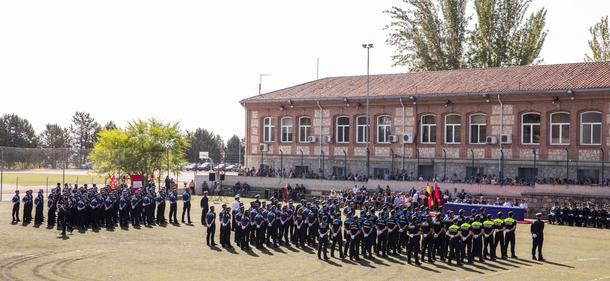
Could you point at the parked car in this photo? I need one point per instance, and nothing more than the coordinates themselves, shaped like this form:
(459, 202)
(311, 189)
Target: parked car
(219, 167)
(87, 166)
(204, 166)
(189, 167)
(231, 168)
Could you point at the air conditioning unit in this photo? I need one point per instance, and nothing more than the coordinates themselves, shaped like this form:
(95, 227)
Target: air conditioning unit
(328, 139)
(312, 139)
(263, 147)
(407, 138)
(491, 140)
(506, 138)
(393, 138)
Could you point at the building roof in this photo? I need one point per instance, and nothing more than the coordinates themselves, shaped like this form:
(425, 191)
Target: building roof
(497, 80)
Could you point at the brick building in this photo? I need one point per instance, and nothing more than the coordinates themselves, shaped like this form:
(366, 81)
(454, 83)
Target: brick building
(546, 120)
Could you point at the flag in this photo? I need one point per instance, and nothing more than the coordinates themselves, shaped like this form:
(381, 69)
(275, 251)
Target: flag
(429, 196)
(437, 194)
(112, 182)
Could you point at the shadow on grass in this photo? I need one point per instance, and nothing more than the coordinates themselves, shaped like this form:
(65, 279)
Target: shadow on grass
(377, 261)
(392, 260)
(466, 268)
(333, 263)
(251, 253)
(427, 268)
(558, 264)
(504, 263)
(441, 266)
(265, 251)
(231, 250)
(63, 237)
(366, 263)
(215, 248)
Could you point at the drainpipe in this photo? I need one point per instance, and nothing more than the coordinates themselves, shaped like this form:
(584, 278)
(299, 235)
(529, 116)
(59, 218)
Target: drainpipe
(603, 178)
(402, 161)
(321, 153)
(500, 163)
(281, 163)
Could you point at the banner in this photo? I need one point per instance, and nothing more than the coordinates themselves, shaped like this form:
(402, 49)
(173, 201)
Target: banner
(137, 181)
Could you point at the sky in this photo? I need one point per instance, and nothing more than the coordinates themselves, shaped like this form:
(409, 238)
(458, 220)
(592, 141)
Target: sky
(192, 61)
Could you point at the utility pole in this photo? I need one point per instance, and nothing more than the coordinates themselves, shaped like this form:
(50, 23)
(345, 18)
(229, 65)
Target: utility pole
(368, 47)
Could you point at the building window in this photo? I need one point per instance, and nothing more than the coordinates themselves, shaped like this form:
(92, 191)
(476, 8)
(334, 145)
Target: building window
(268, 128)
(590, 128)
(362, 130)
(286, 124)
(428, 129)
(478, 128)
(560, 128)
(304, 129)
(384, 125)
(342, 130)
(452, 129)
(530, 128)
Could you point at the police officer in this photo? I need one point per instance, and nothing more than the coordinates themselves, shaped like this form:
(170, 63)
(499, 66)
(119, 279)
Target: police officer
(368, 229)
(210, 221)
(454, 243)
(537, 230)
(466, 248)
(439, 237)
(337, 237)
(244, 224)
(225, 228)
(427, 239)
(414, 232)
(488, 239)
(186, 207)
(173, 207)
(123, 211)
(16, 203)
(354, 233)
(27, 207)
(259, 229)
(477, 239)
(39, 208)
(160, 203)
(52, 209)
(204, 206)
(509, 236)
(499, 237)
(323, 231)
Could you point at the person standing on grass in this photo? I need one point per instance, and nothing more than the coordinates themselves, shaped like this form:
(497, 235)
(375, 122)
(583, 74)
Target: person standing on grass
(204, 206)
(210, 222)
(16, 204)
(186, 207)
(537, 230)
(27, 207)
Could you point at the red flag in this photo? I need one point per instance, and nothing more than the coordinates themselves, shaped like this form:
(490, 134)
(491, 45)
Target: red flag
(437, 194)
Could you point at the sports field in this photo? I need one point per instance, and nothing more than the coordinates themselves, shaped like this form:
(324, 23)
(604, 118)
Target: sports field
(180, 253)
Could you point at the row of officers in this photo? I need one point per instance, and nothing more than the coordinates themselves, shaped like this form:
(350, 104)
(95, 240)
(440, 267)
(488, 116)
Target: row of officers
(582, 216)
(85, 208)
(352, 233)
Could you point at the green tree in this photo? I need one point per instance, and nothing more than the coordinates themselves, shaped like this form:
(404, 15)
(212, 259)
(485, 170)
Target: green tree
(84, 131)
(16, 132)
(144, 148)
(233, 154)
(429, 35)
(600, 42)
(204, 140)
(110, 126)
(434, 35)
(57, 139)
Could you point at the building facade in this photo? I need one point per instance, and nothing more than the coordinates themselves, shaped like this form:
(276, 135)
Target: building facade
(550, 121)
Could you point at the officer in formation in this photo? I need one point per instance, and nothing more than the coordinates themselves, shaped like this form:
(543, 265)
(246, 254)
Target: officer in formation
(370, 230)
(582, 215)
(537, 230)
(82, 207)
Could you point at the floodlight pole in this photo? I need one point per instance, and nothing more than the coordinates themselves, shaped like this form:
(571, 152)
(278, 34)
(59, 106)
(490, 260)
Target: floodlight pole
(368, 47)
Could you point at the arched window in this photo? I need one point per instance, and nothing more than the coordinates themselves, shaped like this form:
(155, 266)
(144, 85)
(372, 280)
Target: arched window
(428, 129)
(530, 128)
(590, 128)
(268, 128)
(384, 129)
(342, 133)
(362, 130)
(453, 125)
(478, 128)
(560, 128)
(286, 124)
(304, 128)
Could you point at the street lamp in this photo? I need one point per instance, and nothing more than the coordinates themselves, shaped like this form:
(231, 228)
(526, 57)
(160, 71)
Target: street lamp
(368, 47)
(167, 145)
(260, 82)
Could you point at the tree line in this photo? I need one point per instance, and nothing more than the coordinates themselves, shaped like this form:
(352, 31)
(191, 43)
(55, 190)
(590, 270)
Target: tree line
(79, 138)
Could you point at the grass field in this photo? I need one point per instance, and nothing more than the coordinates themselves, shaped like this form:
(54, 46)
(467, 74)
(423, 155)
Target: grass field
(180, 253)
(34, 179)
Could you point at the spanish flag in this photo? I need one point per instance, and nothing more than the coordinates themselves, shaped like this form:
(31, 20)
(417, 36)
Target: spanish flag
(429, 196)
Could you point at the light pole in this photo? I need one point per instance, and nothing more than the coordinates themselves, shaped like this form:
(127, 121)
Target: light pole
(368, 47)
(260, 82)
(167, 145)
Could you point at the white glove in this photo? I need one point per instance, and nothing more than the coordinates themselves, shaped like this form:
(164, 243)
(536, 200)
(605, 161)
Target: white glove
(534, 235)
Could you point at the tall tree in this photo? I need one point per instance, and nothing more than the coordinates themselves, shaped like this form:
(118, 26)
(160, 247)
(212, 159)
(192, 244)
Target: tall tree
(204, 140)
(84, 131)
(16, 132)
(233, 153)
(144, 148)
(429, 35)
(434, 34)
(600, 42)
(56, 138)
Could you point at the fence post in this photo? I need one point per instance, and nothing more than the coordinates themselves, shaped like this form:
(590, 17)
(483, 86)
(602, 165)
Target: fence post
(17, 183)
(47, 185)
